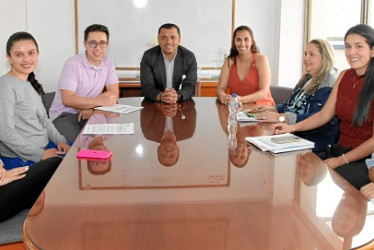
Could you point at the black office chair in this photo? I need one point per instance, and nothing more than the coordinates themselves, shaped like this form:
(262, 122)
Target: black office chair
(47, 100)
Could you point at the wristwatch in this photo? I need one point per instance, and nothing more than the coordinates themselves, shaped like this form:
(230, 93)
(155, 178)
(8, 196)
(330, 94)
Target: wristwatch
(281, 118)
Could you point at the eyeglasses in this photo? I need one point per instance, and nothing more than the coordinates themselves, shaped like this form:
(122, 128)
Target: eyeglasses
(93, 44)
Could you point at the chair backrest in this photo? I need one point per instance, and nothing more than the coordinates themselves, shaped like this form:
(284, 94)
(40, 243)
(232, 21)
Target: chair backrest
(280, 94)
(47, 100)
(11, 229)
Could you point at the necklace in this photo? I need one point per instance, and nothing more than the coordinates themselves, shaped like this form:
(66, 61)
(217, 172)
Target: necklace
(359, 81)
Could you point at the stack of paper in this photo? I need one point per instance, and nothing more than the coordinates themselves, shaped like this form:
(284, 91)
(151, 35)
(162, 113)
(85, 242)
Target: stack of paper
(120, 108)
(244, 116)
(280, 143)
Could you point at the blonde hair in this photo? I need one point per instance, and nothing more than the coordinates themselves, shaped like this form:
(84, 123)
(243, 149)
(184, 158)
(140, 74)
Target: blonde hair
(327, 54)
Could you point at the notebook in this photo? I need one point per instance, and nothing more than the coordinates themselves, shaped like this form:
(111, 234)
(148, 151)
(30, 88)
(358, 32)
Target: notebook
(280, 143)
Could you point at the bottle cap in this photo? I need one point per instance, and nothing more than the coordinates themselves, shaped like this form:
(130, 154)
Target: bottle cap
(234, 95)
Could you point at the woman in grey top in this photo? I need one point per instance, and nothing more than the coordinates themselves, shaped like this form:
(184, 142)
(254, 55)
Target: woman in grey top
(26, 134)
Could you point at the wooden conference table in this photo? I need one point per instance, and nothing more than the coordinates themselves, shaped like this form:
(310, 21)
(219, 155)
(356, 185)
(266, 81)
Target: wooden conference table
(185, 190)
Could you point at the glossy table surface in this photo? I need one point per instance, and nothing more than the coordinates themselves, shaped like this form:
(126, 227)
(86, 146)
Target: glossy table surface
(174, 184)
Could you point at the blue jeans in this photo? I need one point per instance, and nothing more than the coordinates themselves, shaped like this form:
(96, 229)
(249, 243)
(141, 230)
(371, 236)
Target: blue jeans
(10, 163)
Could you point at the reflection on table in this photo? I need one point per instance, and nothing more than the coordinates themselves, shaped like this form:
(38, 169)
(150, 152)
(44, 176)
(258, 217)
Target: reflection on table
(167, 124)
(240, 154)
(201, 202)
(346, 218)
(97, 142)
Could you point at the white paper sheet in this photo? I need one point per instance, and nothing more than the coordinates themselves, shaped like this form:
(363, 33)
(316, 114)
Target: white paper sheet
(109, 129)
(120, 108)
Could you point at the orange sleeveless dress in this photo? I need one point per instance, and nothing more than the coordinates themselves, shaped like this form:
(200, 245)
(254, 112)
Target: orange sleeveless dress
(249, 85)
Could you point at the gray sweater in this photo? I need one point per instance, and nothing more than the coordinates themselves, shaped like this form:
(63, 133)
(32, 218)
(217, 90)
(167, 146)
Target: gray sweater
(24, 125)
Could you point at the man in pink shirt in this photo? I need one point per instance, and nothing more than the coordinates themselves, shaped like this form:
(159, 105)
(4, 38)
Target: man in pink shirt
(82, 82)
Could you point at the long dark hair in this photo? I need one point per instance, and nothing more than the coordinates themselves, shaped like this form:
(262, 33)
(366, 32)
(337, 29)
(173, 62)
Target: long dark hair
(367, 91)
(18, 36)
(233, 51)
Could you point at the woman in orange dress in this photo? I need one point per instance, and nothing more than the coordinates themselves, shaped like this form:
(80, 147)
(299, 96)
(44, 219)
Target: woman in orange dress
(246, 72)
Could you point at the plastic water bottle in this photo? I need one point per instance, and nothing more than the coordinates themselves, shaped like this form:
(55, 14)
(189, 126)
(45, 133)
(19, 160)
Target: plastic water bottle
(233, 104)
(231, 127)
(233, 107)
(232, 122)
(231, 139)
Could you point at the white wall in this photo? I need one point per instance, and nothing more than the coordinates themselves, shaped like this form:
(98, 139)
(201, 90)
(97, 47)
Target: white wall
(12, 19)
(51, 22)
(263, 18)
(290, 42)
(133, 30)
(277, 25)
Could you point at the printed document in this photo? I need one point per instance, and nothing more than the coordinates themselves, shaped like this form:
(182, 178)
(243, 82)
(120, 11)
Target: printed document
(109, 129)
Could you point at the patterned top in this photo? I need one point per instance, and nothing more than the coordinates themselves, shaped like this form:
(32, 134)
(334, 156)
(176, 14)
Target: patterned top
(297, 103)
(301, 106)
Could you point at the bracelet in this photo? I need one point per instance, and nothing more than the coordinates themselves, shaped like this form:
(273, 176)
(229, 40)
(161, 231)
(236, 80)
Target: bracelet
(345, 159)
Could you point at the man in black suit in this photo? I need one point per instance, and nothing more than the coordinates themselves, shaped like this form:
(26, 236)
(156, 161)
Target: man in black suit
(168, 71)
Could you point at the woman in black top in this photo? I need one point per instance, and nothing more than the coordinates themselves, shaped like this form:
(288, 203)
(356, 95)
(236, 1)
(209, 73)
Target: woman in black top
(20, 187)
